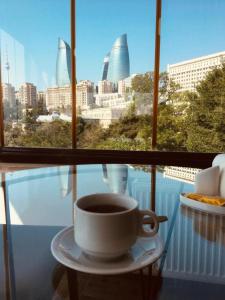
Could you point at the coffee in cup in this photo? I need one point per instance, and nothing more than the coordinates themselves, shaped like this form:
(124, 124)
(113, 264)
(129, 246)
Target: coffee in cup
(107, 225)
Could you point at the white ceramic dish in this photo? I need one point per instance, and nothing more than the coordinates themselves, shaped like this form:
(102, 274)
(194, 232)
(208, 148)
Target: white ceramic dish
(144, 252)
(212, 209)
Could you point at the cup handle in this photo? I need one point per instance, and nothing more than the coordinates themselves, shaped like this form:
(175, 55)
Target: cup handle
(142, 232)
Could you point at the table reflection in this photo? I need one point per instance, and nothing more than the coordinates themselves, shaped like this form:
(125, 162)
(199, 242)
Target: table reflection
(41, 203)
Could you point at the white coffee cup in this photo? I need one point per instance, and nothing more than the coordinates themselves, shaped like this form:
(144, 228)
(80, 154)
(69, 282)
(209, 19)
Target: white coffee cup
(107, 235)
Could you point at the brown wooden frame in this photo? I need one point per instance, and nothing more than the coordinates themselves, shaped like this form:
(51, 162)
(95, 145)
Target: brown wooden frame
(89, 156)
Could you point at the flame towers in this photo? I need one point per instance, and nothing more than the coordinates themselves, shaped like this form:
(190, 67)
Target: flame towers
(63, 64)
(117, 63)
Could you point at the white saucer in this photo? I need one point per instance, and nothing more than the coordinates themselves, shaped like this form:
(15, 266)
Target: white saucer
(145, 252)
(209, 208)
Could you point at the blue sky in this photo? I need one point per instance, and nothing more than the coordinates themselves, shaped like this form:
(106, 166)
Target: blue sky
(189, 29)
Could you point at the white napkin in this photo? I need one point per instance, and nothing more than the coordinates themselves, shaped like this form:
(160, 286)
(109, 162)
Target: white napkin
(219, 160)
(207, 181)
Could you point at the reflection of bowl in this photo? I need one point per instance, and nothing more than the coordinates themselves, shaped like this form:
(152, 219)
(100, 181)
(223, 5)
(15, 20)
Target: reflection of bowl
(208, 208)
(211, 227)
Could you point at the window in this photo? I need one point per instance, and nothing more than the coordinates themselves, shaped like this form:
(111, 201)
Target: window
(36, 73)
(187, 39)
(39, 104)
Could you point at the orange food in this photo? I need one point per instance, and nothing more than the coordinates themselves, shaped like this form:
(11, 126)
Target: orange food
(213, 200)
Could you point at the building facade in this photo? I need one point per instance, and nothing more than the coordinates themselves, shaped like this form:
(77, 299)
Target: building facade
(105, 87)
(8, 93)
(58, 97)
(63, 64)
(189, 73)
(119, 62)
(111, 100)
(105, 116)
(85, 94)
(28, 95)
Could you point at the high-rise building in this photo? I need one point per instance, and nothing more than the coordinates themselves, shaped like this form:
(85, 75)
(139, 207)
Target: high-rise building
(8, 93)
(28, 95)
(58, 97)
(190, 72)
(105, 87)
(119, 63)
(105, 66)
(85, 94)
(63, 64)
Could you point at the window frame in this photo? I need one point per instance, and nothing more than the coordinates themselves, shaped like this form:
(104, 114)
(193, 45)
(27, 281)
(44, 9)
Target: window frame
(91, 156)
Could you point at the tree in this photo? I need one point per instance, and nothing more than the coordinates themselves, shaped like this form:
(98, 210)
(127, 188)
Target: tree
(143, 83)
(206, 114)
(171, 133)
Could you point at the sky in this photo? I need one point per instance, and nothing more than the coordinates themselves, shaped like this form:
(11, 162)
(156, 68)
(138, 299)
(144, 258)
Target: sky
(188, 29)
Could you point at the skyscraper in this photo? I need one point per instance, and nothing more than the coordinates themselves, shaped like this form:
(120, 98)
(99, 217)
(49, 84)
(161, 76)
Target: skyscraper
(119, 63)
(63, 64)
(105, 66)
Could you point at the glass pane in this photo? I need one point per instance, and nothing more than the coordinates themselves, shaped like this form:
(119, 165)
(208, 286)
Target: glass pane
(36, 72)
(191, 113)
(3, 287)
(115, 58)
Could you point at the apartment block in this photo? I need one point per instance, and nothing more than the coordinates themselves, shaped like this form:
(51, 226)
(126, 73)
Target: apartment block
(58, 97)
(105, 87)
(28, 95)
(85, 94)
(8, 93)
(189, 73)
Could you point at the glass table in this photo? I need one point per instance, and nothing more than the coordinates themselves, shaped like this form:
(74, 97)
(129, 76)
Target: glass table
(39, 203)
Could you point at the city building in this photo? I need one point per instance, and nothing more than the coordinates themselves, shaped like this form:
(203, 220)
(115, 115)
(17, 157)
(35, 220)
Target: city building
(105, 66)
(104, 87)
(85, 94)
(111, 100)
(8, 93)
(119, 63)
(125, 85)
(58, 97)
(63, 64)
(28, 95)
(190, 72)
(105, 116)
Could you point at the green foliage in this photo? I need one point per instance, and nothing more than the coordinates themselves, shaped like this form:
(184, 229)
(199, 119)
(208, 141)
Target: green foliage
(91, 136)
(206, 114)
(171, 133)
(54, 134)
(143, 83)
